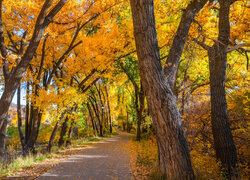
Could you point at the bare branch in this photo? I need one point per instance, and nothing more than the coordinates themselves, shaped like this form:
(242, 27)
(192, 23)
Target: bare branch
(238, 46)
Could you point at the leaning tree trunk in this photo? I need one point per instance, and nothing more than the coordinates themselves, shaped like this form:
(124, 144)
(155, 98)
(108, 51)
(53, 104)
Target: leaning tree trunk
(53, 134)
(109, 113)
(174, 158)
(63, 131)
(223, 139)
(68, 141)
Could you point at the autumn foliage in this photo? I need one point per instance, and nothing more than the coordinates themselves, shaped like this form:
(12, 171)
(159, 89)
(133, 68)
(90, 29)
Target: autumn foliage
(83, 79)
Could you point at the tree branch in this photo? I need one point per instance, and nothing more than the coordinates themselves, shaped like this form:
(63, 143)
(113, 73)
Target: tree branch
(238, 46)
(3, 48)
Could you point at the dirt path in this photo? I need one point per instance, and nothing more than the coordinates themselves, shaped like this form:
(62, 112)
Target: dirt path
(108, 159)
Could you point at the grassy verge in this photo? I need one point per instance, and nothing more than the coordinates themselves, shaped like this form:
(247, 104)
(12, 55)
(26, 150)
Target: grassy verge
(34, 165)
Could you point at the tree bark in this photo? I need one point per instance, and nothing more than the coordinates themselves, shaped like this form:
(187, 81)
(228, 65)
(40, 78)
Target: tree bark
(109, 111)
(63, 131)
(19, 116)
(3, 138)
(53, 134)
(68, 141)
(27, 114)
(34, 124)
(174, 158)
(94, 104)
(92, 119)
(140, 114)
(223, 139)
(65, 126)
(172, 62)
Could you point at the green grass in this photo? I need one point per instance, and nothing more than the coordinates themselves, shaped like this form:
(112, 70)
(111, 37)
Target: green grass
(20, 162)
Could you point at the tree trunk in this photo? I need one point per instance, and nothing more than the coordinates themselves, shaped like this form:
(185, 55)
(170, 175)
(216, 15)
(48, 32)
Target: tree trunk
(172, 62)
(223, 139)
(52, 137)
(34, 125)
(19, 116)
(174, 158)
(68, 142)
(92, 119)
(140, 114)
(109, 113)
(3, 130)
(137, 107)
(53, 134)
(27, 114)
(63, 132)
(97, 113)
(128, 125)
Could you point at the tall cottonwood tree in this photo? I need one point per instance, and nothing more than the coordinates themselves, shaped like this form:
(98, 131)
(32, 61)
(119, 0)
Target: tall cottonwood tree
(217, 54)
(159, 85)
(174, 157)
(13, 77)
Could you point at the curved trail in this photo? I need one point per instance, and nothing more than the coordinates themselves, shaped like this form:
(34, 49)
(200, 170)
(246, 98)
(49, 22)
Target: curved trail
(108, 159)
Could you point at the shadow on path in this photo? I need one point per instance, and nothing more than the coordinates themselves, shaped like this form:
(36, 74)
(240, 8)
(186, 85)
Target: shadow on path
(108, 159)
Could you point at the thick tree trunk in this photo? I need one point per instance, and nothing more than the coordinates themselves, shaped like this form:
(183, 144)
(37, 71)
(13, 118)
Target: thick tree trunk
(174, 158)
(223, 139)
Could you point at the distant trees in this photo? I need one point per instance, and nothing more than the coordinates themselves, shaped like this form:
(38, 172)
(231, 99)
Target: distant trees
(99, 109)
(130, 68)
